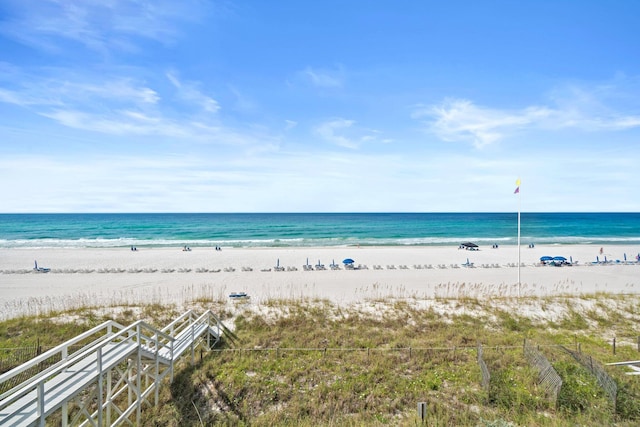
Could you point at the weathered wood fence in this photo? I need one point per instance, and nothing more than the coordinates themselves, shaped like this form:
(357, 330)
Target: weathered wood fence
(605, 381)
(486, 375)
(548, 377)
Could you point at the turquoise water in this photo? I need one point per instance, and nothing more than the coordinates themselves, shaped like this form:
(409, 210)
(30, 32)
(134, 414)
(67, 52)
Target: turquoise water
(309, 229)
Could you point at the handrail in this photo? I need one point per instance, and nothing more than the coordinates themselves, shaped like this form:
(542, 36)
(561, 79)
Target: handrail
(187, 319)
(86, 351)
(161, 343)
(182, 322)
(179, 319)
(61, 349)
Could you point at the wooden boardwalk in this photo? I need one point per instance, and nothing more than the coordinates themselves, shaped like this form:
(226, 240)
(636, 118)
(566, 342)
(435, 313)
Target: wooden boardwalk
(106, 381)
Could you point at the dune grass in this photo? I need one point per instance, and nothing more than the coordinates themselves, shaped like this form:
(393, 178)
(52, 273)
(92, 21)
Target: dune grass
(310, 362)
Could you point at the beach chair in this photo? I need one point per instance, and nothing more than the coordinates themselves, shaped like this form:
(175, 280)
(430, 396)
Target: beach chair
(40, 269)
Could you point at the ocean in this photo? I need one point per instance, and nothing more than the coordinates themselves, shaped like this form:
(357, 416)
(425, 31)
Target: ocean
(313, 229)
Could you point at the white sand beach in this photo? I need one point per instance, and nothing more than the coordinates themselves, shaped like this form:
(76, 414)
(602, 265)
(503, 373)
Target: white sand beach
(94, 277)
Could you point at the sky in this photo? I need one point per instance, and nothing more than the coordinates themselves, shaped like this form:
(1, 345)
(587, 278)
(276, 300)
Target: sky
(319, 106)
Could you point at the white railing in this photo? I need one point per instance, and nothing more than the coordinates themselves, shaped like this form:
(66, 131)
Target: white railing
(50, 388)
(61, 351)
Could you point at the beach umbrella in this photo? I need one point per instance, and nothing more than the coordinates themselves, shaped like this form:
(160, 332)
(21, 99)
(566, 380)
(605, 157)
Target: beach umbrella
(469, 245)
(348, 261)
(559, 258)
(546, 258)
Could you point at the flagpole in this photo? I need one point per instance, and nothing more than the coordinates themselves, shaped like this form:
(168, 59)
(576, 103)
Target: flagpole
(518, 244)
(518, 191)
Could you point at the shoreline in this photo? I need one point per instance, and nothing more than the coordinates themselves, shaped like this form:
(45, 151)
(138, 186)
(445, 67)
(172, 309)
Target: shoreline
(94, 277)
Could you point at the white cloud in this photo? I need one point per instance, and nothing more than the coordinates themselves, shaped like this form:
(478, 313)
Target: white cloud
(624, 122)
(459, 119)
(344, 133)
(115, 90)
(121, 106)
(132, 123)
(120, 123)
(330, 131)
(189, 92)
(16, 98)
(462, 120)
(99, 25)
(324, 78)
(242, 102)
(597, 107)
(327, 180)
(68, 89)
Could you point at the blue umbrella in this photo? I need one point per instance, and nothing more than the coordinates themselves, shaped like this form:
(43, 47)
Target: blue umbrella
(546, 258)
(348, 261)
(559, 258)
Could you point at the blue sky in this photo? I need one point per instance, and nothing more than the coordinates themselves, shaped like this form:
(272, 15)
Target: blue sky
(319, 106)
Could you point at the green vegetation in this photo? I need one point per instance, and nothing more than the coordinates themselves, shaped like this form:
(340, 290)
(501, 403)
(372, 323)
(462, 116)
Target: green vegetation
(310, 362)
